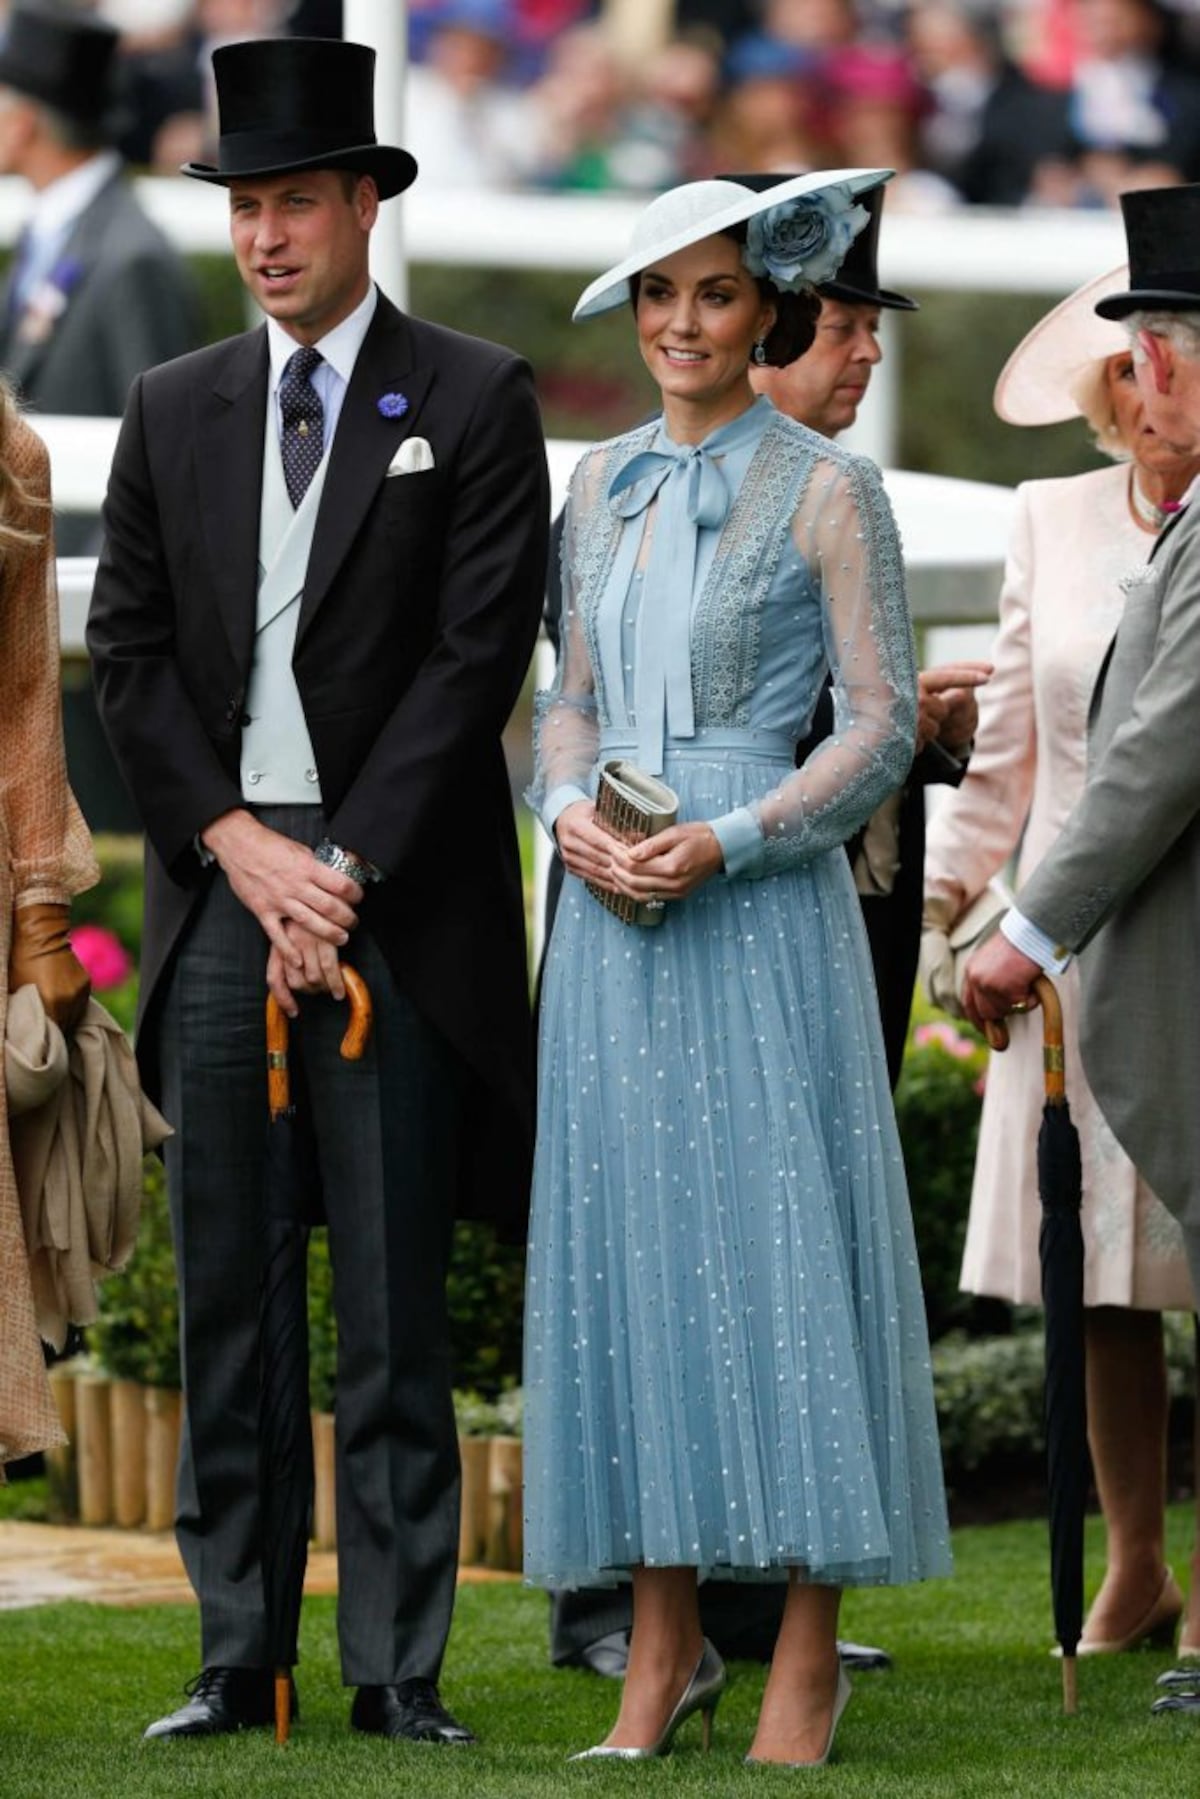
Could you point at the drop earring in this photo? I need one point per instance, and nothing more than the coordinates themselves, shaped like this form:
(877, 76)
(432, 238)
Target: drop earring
(760, 352)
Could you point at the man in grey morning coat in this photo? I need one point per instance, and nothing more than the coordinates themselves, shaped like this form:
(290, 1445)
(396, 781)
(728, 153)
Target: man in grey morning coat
(1122, 884)
(95, 293)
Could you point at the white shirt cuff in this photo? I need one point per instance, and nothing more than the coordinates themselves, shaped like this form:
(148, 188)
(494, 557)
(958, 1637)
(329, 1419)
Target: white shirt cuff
(1033, 942)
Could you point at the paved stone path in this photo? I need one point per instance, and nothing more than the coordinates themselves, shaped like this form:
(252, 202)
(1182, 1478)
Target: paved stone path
(43, 1563)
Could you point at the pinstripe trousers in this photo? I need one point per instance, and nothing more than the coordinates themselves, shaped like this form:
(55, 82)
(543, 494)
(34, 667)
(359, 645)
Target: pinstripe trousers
(386, 1134)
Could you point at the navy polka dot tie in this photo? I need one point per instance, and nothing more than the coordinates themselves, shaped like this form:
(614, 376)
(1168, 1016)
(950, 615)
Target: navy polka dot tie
(303, 441)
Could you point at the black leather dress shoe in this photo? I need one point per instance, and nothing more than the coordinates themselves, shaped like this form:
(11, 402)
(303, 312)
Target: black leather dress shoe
(1182, 1690)
(410, 1710)
(221, 1700)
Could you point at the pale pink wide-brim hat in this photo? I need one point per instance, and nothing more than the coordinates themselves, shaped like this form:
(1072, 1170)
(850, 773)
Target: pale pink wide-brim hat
(1038, 383)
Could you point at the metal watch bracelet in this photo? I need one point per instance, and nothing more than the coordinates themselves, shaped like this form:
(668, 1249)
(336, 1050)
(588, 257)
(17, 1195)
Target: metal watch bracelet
(334, 856)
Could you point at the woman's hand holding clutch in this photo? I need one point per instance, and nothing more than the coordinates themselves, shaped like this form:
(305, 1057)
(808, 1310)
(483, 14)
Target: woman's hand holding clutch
(668, 866)
(586, 850)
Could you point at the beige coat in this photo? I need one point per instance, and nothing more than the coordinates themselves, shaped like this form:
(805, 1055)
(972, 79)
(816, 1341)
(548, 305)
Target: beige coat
(45, 856)
(1072, 541)
(79, 1126)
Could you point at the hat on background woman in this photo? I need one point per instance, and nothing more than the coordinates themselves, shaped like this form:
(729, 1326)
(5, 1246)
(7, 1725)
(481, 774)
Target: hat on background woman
(798, 233)
(1056, 371)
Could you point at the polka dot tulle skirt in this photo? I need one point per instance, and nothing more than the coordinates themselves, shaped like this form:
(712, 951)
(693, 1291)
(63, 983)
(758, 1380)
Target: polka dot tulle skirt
(726, 1358)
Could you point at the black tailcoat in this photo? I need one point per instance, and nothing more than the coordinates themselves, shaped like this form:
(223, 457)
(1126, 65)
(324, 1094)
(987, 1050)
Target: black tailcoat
(419, 615)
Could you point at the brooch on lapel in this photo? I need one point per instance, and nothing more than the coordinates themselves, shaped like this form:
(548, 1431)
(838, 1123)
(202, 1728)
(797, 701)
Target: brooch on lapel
(48, 301)
(1142, 576)
(392, 406)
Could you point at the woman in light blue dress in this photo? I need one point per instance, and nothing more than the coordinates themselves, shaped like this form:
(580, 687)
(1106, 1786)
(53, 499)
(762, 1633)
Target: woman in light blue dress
(727, 1371)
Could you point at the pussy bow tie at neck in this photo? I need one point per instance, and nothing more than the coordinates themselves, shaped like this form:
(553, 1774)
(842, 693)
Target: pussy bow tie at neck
(693, 495)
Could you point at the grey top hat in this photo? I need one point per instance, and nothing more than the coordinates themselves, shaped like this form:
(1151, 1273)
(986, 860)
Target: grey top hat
(64, 61)
(288, 104)
(1162, 229)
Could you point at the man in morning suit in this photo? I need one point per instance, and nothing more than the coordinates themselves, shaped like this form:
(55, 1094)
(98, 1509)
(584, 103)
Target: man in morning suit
(318, 593)
(1121, 886)
(95, 293)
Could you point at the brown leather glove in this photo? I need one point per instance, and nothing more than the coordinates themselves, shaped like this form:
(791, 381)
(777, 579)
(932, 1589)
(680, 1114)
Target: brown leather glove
(41, 955)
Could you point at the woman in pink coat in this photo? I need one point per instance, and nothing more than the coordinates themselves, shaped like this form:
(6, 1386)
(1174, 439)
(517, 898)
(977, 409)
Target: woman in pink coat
(1073, 539)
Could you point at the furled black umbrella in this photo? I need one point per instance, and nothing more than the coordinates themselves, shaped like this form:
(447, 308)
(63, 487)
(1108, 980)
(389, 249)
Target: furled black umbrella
(1060, 1246)
(292, 1206)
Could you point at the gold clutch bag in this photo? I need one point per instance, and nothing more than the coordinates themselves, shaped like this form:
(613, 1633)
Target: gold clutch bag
(632, 806)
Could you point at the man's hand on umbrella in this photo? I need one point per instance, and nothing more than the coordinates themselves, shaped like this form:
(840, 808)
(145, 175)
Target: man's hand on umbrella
(999, 980)
(282, 883)
(317, 971)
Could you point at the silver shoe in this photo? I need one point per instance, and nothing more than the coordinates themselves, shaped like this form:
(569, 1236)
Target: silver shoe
(701, 1694)
(841, 1700)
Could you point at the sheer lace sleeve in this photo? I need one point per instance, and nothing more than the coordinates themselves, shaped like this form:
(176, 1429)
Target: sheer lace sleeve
(845, 533)
(565, 718)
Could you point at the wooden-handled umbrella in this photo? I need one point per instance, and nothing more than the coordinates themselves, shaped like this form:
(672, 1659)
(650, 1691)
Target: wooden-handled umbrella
(292, 1205)
(1060, 1248)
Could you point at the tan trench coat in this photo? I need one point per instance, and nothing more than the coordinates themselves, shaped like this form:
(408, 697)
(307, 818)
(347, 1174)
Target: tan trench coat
(45, 856)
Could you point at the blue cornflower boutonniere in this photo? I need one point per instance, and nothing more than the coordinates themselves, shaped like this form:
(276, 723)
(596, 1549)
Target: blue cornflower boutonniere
(392, 406)
(48, 301)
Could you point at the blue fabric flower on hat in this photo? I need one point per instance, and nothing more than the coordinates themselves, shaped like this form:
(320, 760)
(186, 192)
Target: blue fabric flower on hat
(392, 406)
(801, 243)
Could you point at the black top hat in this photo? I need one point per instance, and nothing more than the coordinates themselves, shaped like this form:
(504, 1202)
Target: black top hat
(62, 60)
(858, 278)
(300, 103)
(1162, 228)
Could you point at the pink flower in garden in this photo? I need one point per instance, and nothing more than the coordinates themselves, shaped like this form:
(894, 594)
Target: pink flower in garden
(103, 954)
(951, 1040)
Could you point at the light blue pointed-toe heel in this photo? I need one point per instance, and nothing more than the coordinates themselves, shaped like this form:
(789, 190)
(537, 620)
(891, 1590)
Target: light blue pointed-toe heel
(841, 1700)
(702, 1694)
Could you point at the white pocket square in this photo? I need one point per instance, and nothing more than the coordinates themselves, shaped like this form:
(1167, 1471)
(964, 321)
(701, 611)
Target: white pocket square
(412, 458)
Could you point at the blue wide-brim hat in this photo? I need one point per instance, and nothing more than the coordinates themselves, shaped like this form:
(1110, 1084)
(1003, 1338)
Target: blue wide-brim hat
(287, 104)
(699, 209)
(1162, 229)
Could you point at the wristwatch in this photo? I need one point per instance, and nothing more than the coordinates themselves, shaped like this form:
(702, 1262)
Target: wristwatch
(334, 856)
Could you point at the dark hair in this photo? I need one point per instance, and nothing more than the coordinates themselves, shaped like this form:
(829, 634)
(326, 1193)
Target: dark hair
(796, 315)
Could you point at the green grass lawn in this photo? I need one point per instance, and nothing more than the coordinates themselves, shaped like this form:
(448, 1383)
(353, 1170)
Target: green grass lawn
(971, 1708)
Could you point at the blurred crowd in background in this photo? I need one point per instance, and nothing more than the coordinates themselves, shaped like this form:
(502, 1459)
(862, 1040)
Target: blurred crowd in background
(1025, 103)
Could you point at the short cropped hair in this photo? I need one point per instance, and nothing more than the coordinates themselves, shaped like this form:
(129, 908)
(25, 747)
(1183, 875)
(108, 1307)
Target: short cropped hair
(1182, 329)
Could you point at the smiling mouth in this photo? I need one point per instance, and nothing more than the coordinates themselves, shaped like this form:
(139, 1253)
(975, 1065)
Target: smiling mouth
(684, 358)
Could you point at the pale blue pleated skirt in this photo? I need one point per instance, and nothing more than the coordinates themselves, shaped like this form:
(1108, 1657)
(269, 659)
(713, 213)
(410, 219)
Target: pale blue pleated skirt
(726, 1360)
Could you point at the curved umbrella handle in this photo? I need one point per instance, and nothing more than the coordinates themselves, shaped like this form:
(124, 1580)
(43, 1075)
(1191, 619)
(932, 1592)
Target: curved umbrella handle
(354, 1042)
(362, 1014)
(996, 1032)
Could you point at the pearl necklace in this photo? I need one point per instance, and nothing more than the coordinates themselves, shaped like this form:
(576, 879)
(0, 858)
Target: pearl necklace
(1145, 511)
